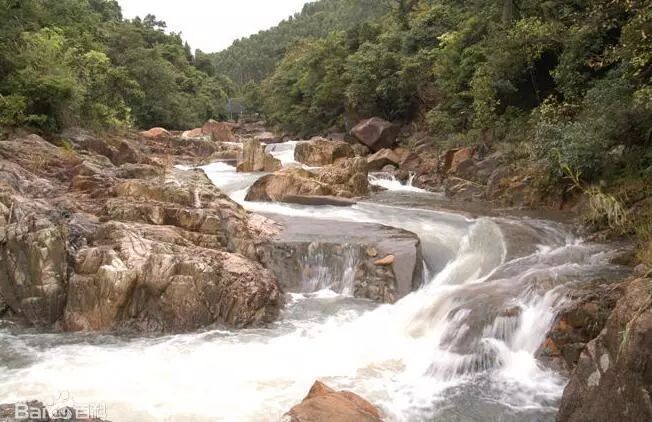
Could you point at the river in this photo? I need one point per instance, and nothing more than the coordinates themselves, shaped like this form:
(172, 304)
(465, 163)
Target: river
(455, 350)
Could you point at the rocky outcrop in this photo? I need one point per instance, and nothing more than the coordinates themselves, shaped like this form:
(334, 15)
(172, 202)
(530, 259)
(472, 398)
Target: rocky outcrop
(323, 404)
(613, 378)
(369, 261)
(156, 133)
(376, 133)
(348, 178)
(88, 245)
(384, 157)
(577, 324)
(218, 131)
(321, 152)
(254, 158)
(285, 183)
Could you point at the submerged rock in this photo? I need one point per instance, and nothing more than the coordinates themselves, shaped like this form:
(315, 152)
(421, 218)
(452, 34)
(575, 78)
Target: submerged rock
(323, 404)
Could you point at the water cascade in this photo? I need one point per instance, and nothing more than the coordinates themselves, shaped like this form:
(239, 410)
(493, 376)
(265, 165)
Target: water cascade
(460, 348)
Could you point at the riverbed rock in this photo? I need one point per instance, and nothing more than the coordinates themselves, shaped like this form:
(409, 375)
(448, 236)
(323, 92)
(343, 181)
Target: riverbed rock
(376, 133)
(308, 255)
(323, 404)
(613, 378)
(89, 245)
(321, 152)
(383, 158)
(219, 131)
(254, 158)
(348, 178)
(156, 133)
(153, 279)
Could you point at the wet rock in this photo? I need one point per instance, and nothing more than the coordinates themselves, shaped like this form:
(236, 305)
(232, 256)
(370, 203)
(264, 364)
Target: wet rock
(613, 378)
(254, 158)
(576, 325)
(154, 280)
(348, 178)
(317, 200)
(156, 133)
(383, 158)
(308, 255)
(218, 131)
(376, 133)
(321, 152)
(325, 404)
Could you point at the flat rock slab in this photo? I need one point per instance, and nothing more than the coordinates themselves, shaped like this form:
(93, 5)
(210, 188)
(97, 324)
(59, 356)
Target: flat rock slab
(319, 200)
(310, 254)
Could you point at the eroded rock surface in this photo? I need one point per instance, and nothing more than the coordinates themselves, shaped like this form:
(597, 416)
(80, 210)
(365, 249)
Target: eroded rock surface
(255, 159)
(90, 244)
(347, 178)
(321, 152)
(323, 404)
(613, 378)
(367, 260)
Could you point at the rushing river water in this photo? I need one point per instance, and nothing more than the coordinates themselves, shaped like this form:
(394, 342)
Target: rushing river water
(462, 348)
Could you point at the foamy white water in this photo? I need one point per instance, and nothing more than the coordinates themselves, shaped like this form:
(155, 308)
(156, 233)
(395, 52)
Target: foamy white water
(391, 183)
(462, 346)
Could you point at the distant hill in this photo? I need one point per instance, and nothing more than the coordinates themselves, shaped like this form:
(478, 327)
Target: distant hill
(255, 58)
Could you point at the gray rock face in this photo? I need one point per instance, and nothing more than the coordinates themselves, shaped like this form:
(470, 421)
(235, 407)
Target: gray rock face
(369, 260)
(613, 378)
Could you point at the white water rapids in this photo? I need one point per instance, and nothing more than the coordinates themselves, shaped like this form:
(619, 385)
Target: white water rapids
(451, 351)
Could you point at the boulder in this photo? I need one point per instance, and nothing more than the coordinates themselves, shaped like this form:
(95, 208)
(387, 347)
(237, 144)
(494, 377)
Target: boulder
(153, 279)
(254, 158)
(348, 178)
(613, 378)
(376, 133)
(453, 157)
(218, 131)
(156, 133)
(383, 158)
(370, 261)
(321, 152)
(323, 404)
(194, 133)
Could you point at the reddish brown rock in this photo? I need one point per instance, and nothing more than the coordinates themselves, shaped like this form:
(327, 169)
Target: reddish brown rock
(388, 260)
(382, 158)
(219, 131)
(156, 133)
(323, 404)
(376, 133)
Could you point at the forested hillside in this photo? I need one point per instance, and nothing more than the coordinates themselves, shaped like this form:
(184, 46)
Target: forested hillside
(254, 58)
(78, 62)
(566, 80)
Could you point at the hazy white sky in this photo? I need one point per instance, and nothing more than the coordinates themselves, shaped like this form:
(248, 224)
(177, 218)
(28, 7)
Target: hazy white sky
(212, 25)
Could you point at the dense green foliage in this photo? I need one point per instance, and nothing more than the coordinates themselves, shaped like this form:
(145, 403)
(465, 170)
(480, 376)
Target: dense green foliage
(78, 62)
(569, 80)
(254, 58)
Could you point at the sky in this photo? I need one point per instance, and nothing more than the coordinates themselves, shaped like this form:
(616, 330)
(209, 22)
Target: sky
(212, 25)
